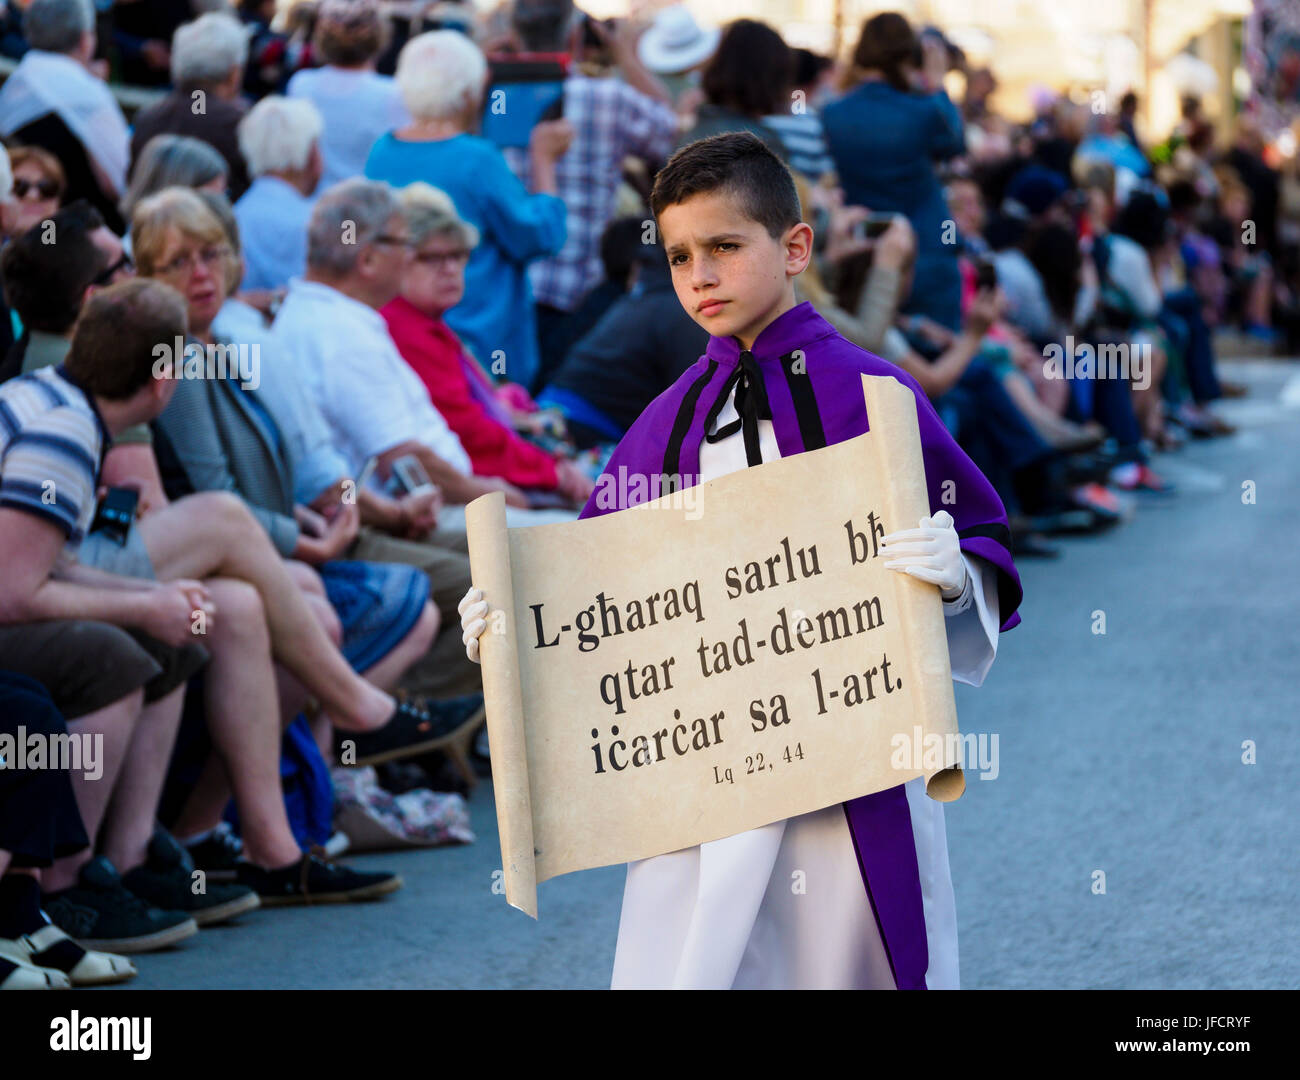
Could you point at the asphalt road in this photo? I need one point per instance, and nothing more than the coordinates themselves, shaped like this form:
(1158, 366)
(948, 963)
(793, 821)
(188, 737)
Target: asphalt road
(1118, 752)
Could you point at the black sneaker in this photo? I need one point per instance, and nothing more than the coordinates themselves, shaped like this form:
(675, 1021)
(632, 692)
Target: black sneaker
(102, 913)
(316, 880)
(218, 853)
(415, 729)
(168, 879)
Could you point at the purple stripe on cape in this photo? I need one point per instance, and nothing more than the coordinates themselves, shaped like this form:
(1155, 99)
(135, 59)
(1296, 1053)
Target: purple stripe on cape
(880, 823)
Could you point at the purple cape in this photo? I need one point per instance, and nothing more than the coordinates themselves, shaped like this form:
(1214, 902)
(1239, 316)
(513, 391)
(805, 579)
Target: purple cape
(815, 404)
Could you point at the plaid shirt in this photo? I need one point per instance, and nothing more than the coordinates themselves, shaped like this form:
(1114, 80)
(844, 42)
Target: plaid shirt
(611, 121)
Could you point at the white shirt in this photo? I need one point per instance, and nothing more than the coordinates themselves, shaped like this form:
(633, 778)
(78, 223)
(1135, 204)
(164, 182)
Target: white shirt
(46, 82)
(357, 107)
(723, 915)
(341, 353)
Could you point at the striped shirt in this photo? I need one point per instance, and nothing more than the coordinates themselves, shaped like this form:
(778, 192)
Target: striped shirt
(804, 142)
(52, 441)
(611, 120)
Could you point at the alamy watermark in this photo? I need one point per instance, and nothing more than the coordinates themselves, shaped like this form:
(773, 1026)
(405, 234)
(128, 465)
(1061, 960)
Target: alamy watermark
(192, 360)
(929, 752)
(629, 489)
(1130, 361)
(68, 751)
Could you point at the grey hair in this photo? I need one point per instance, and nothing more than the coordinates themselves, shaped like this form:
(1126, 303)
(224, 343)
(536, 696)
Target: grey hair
(346, 218)
(430, 212)
(57, 25)
(208, 49)
(172, 161)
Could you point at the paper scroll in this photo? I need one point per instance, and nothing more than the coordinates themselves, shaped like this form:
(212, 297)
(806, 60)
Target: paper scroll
(720, 658)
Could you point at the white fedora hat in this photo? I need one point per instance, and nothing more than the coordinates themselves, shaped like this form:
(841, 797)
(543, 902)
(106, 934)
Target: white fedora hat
(676, 42)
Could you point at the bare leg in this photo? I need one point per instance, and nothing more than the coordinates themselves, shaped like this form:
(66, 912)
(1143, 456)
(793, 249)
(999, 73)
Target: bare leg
(244, 721)
(1055, 430)
(406, 652)
(114, 724)
(213, 534)
(134, 807)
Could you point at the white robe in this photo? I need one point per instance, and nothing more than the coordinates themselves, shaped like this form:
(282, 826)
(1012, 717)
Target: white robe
(783, 906)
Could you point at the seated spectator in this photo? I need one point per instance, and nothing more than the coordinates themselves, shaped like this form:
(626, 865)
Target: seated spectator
(213, 538)
(441, 76)
(637, 349)
(225, 437)
(393, 530)
(39, 187)
(356, 104)
(175, 161)
(52, 100)
(617, 110)
(459, 388)
(280, 138)
(207, 65)
(747, 79)
(39, 822)
(48, 297)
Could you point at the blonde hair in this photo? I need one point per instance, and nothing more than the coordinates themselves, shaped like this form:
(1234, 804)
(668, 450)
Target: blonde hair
(173, 208)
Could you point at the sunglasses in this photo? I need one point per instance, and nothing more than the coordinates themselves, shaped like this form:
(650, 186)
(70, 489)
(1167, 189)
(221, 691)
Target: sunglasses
(46, 189)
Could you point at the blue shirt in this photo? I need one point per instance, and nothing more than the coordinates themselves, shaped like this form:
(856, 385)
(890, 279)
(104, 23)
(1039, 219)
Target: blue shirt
(273, 217)
(495, 319)
(885, 143)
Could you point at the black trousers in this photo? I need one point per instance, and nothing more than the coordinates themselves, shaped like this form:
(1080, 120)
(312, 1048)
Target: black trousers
(39, 819)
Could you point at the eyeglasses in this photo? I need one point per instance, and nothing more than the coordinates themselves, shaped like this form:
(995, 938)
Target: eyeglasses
(123, 265)
(396, 241)
(44, 189)
(211, 257)
(439, 259)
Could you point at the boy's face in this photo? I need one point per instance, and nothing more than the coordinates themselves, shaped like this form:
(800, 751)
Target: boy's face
(730, 275)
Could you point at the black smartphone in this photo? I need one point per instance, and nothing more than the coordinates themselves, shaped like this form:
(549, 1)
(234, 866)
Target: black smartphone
(115, 513)
(986, 274)
(872, 226)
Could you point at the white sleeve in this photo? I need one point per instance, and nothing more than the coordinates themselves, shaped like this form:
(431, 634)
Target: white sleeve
(973, 622)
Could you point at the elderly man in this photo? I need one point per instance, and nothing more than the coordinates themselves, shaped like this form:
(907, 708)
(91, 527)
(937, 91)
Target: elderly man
(54, 99)
(364, 401)
(207, 62)
(280, 138)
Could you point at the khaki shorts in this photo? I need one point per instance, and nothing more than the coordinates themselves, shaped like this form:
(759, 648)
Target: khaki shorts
(87, 665)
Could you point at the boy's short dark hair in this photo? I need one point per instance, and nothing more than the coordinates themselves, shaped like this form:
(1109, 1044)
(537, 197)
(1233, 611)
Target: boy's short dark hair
(739, 164)
(114, 347)
(43, 281)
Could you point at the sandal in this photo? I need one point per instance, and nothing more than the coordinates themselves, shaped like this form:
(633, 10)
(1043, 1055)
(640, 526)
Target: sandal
(15, 975)
(49, 948)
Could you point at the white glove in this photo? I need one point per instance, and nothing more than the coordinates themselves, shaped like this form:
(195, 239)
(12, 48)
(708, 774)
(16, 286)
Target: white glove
(931, 553)
(472, 608)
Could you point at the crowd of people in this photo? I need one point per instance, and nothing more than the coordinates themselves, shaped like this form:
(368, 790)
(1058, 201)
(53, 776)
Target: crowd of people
(357, 264)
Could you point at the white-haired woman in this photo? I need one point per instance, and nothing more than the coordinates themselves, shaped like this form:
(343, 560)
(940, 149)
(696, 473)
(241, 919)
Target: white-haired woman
(442, 76)
(280, 140)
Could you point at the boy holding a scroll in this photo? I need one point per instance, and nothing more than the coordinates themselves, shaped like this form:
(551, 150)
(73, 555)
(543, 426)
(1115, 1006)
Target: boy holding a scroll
(876, 909)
